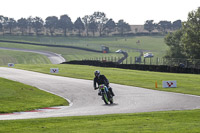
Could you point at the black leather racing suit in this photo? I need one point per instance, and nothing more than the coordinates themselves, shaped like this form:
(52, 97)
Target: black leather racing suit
(101, 79)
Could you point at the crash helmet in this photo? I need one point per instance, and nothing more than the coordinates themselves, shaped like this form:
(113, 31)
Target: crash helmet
(97, 73)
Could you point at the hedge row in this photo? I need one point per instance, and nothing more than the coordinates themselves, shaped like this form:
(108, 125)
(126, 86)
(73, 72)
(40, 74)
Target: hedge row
(156, 68)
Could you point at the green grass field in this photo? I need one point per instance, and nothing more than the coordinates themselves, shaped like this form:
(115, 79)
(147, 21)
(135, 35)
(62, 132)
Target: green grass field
(16, 57)
(154, 44)
(67, 53)
(17, 97)
(152, 122)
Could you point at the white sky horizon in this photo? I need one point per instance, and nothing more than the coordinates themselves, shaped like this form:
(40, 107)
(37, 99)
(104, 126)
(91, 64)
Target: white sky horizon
(134, 12)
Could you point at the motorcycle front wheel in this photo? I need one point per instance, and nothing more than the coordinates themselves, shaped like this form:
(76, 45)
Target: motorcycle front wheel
(105, 98)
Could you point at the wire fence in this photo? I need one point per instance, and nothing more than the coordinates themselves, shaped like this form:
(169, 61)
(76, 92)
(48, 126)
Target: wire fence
(186, 63)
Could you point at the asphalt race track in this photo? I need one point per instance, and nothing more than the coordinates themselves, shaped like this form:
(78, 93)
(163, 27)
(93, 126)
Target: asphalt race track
(85, 101)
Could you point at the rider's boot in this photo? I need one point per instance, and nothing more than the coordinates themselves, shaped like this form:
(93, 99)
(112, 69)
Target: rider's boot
(99, 93)
(110, 89)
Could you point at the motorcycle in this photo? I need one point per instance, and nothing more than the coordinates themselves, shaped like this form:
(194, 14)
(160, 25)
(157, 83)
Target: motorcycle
(105, 93)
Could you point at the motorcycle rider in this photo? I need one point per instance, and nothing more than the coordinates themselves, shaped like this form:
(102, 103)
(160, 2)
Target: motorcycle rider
(101, 79)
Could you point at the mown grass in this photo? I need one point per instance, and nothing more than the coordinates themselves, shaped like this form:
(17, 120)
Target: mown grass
(187, 83)
(7, 56)
(154, 122)
(67, 53)
(154, 44)
(15, 97)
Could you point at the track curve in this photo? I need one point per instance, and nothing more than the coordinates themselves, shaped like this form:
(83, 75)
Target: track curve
(84, 100)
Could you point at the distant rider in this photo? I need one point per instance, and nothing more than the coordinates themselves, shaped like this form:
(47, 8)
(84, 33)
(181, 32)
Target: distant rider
(101, 79)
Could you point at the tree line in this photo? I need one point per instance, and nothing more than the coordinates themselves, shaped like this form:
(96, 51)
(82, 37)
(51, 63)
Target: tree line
(185, 42)
(89, 24)
(162, 26)
(97, 22)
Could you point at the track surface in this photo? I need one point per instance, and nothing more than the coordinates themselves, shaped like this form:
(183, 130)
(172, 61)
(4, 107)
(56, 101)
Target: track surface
(84, 100)
(53, 57)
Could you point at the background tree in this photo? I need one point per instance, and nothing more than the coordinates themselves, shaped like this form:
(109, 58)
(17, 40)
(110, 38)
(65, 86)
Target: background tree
(136, 30)
(78, 24)
(4, 21)
(1, 22)
(186, 41)
(110, 26)
(191, 35)
(86, 21)
(1, 27)
(173, 40)
(38, 24)
(164, 25)
(22, 24)
(123, 27)
(177, 24)
(149, 26)
(1, 19)
(30, 24)
(66, 24)
(93, 26)
(101, 20)
(10, 24)
(51, 23)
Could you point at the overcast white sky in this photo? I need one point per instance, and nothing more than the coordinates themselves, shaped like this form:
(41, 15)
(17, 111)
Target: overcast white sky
(132, 11)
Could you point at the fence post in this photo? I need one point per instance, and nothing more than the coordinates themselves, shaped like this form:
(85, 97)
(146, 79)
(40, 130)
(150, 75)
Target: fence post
(135, 60)
(178, 62)
(131, 60)
(157, 61)
(150, 60)
(164, 61)
(186, 63)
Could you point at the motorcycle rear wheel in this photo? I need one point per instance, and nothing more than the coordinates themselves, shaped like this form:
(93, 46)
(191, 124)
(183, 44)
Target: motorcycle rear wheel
(111, 101)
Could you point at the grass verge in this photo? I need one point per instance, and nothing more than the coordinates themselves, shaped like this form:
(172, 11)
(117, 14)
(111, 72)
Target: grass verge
(16, 97)
(154, 122)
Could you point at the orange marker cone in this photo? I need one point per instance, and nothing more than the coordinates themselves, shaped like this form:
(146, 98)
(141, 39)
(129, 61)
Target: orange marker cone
(156, 85)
